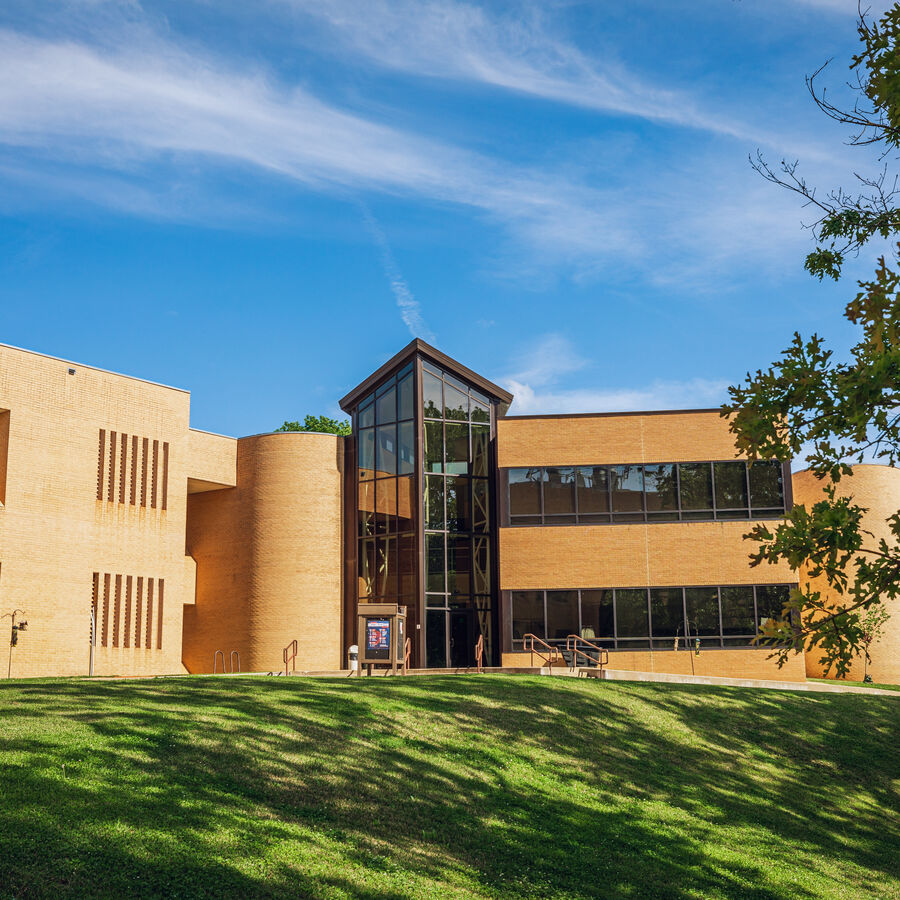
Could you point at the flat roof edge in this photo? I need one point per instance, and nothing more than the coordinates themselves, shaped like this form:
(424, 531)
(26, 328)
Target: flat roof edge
(597, 415)
(79, 365)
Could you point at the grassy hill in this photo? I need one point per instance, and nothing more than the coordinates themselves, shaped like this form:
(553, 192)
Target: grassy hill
(480, 786)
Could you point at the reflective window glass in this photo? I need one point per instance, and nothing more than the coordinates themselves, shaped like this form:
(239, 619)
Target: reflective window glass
(527, 614)
(666, 613)
(457, 448)
(366, 587)
(406, 448)
(405, 398)
(481, 439)
(456, 403)
(766, 485)
(434, 502)
(631, 614)
(434, 447)
(737, 610)
(481, 515)
(479, 412)
(662, 489)
(525, 492)
(436, 639)
(459, 565)
(770, 600)
(386, 568)
(366, 507)
(562, 614)
(702, 610)
(432, 396)
(386, 450)
(406, 503)
(366, 414)
(597, 616)
(559, 491)
(386, 407)
(385, 505)
(406, 565)
(481, 564)
(434, 563)
(459, 511)
(627, 483)
(593, 490)
(696, 486)
(731, 485)
(367, 453)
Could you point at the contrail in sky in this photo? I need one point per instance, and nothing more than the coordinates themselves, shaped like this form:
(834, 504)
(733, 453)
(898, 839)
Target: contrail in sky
(410, 309)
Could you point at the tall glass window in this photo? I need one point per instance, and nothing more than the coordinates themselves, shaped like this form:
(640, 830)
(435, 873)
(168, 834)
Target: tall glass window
(458, 491)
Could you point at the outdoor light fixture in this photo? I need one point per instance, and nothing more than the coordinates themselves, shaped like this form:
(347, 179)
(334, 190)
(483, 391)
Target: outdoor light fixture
(14, 635)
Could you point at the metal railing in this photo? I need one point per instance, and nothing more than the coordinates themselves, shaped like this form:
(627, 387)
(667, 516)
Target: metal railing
(407, 650)
(479, 653)
(547, 653)
(599, 658)
(289, 656)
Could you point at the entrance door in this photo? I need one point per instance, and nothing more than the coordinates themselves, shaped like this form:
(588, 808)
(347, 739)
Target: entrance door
(462, 638)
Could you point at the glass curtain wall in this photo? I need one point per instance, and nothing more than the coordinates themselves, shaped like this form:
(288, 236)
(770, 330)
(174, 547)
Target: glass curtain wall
(662, 492)
(644, 618)
(386, 485)
(458, 495)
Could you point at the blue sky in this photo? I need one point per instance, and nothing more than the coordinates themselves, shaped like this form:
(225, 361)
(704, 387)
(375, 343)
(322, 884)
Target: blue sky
(261, 202)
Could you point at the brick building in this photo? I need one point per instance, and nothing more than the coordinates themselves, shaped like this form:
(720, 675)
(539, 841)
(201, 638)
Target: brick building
(168, 544)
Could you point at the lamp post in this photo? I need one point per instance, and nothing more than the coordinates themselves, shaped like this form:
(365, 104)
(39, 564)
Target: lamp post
(14, 635)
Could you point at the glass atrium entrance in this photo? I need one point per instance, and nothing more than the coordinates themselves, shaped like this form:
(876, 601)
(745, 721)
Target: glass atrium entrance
(424, 502)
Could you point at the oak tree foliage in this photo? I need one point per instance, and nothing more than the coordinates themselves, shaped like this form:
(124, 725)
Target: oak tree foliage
(839, 412)
(322, 424)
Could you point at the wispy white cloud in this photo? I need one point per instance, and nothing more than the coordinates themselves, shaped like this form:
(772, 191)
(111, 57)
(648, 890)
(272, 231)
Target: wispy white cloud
(538, 371)
(156, 103)
(410, 308)
(520, 52)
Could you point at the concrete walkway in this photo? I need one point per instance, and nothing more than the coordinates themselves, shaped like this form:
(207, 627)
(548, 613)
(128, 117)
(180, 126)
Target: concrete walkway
(806, 686)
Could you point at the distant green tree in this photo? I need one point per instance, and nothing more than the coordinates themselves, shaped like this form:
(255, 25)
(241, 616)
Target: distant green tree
(839, 412)
(322, 424)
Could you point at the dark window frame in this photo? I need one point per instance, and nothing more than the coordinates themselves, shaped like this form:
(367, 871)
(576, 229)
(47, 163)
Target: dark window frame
(681, 514)
(685, 638)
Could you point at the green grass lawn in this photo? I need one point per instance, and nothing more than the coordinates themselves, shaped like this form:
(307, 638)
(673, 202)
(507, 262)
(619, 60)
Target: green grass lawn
(478, 786)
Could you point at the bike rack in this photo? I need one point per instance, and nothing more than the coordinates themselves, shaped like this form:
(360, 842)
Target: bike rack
(216, 660)
(234, 654)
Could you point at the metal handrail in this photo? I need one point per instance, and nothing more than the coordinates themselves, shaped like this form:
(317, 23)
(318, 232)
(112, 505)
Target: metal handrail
(234, 654)
(216, 656)
(479, 653)
(602, 658)
(407, 650)
(528, 644)
(292, 658)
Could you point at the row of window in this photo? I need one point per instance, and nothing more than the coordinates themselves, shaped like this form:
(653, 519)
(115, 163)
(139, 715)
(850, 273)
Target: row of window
(661, 492)
(636, 618)
(393, 401)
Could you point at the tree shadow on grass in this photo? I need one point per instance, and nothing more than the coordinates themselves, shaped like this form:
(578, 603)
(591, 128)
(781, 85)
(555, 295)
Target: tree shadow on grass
(443, 786)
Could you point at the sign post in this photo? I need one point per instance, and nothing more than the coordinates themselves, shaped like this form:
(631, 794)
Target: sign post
(381, 634)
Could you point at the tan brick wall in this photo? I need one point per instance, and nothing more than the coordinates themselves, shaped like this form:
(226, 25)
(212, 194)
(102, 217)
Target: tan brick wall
(749, 663)
(611, 439)
(268, 555)
(55, 533)
(877, 488)
(212, 461)
(653, 555)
